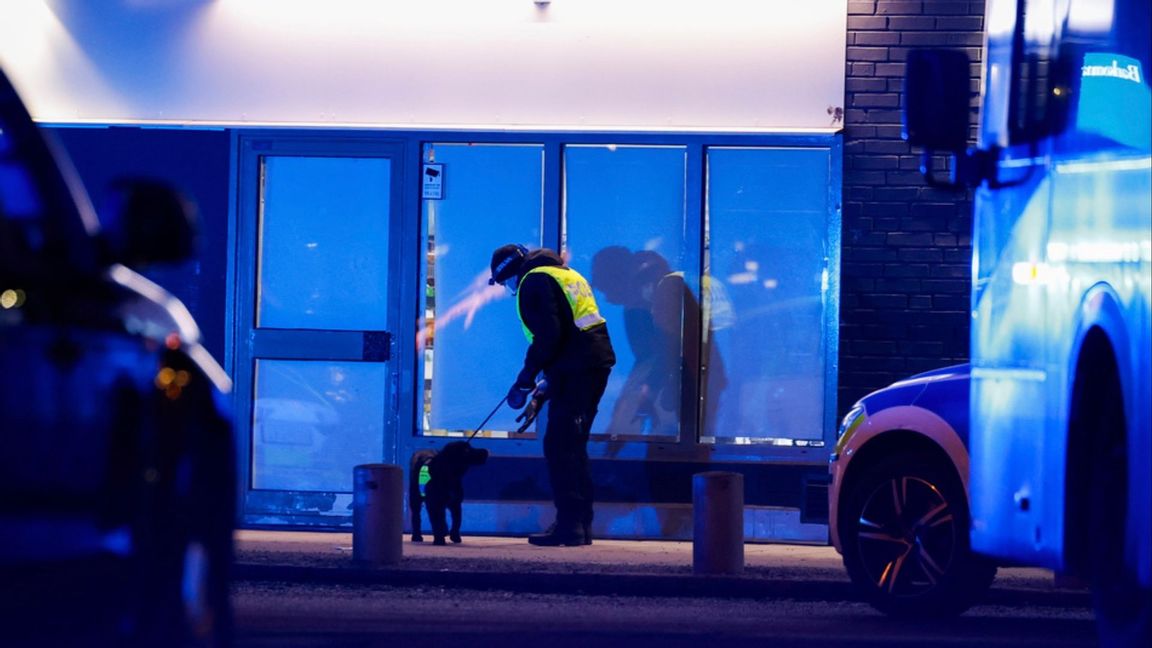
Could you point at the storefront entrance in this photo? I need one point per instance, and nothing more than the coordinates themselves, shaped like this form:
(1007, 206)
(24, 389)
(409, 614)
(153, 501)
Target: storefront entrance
(365, 328)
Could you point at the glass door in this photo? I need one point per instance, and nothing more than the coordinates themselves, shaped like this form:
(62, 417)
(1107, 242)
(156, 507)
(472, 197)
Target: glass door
(313, 344)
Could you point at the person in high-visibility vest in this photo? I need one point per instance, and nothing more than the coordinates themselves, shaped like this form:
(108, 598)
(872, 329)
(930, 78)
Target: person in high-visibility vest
(568, 342)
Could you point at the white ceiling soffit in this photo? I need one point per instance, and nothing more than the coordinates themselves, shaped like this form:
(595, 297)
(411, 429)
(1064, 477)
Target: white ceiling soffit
(720, 65)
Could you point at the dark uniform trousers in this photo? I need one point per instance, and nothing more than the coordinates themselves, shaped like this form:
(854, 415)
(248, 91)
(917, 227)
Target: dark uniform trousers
(572, 407)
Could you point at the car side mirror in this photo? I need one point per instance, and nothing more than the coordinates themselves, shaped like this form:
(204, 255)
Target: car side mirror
(147, 222)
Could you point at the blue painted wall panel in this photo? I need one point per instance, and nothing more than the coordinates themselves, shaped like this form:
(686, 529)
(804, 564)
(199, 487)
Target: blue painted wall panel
(195, 161)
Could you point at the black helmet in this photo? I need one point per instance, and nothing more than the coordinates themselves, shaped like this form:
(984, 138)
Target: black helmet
(506, 262)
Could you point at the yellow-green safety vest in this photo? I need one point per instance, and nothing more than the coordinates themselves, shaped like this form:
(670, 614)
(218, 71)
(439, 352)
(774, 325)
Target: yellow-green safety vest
(584, 310)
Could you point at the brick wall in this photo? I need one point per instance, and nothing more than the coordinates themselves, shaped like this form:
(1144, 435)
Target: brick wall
(906, 247)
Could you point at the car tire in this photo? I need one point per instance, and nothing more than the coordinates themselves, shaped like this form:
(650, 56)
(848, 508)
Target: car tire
(904, 535)
(208, 553)
(207, 610)
(186, 526)
(184, 601)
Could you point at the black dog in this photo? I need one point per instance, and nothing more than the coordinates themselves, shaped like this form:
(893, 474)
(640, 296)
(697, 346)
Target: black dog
(443, 487)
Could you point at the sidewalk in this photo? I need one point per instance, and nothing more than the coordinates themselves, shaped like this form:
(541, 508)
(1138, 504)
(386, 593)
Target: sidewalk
(620, 567)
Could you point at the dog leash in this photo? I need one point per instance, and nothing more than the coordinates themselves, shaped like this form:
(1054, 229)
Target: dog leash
(486, 419)
(531, 417)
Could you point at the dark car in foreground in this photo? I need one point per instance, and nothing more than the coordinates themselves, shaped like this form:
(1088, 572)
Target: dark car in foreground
(898, 502)
(117, 477)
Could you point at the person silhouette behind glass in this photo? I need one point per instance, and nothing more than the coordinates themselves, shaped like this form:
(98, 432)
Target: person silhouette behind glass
(614, 274)
(662, 319)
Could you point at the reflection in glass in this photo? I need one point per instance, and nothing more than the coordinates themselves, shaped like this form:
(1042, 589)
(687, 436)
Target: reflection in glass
(323, 243)
(1114, 100)
(314, 421)
(470, 336)
(624, 220)
(767, 221)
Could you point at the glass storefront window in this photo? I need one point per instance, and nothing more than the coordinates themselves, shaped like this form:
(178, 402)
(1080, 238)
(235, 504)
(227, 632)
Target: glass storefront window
(469, 339)
(625, 228)
(736, 355)
(765, 283)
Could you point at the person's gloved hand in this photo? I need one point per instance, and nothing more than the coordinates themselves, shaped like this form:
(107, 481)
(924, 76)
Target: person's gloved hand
(518, 396)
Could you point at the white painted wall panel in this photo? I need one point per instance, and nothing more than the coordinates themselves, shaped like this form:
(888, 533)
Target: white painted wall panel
(596, 64)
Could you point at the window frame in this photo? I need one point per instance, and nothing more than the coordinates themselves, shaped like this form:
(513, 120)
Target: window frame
(688, 446)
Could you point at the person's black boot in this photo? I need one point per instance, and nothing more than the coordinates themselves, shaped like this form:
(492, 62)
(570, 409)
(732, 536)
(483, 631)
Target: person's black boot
(587, 533)
(557, 536)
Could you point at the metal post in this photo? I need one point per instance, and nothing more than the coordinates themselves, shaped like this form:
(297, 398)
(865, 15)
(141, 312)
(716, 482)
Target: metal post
(718, 523)
(377, 514)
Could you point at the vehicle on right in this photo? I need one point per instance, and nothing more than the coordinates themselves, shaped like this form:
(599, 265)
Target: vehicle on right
(1061, 376)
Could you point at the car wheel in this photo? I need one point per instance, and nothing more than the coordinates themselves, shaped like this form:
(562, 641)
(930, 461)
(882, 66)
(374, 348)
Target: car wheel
(187, 528)
(904, 534)
(204, 595)
(208, 553)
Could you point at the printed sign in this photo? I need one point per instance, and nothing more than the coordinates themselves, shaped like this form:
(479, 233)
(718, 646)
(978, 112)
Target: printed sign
(433, 182)
(1114, 99)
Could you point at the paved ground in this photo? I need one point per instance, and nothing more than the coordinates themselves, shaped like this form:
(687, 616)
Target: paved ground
(607, 566)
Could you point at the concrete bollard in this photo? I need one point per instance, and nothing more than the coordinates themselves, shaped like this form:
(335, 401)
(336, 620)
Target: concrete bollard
(718, 523)
(377, 514)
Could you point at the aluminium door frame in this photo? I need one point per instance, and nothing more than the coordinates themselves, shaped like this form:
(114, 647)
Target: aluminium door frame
(248, 147)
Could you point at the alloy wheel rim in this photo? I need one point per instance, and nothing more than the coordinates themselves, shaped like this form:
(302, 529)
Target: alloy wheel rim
(906, 536)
